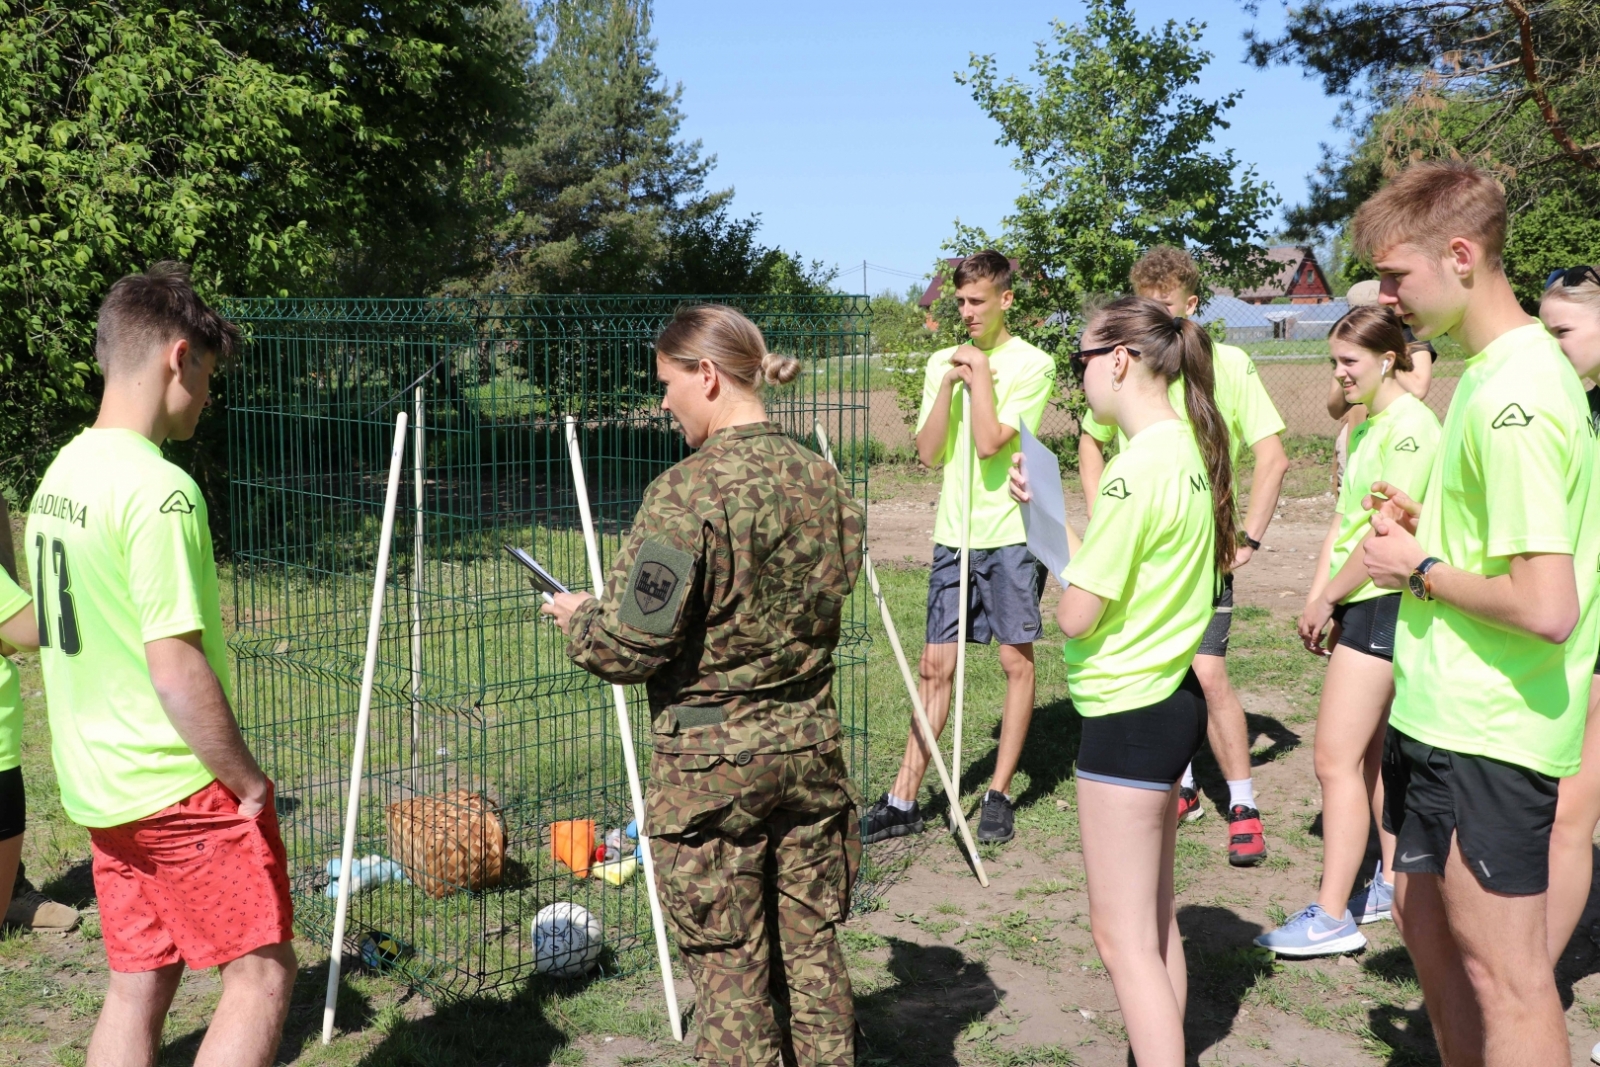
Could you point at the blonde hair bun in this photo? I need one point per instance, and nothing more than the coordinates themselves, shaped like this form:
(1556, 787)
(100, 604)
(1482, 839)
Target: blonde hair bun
(779, 370)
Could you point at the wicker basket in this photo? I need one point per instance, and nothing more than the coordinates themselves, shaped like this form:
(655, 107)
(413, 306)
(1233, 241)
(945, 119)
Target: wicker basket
(449, 842)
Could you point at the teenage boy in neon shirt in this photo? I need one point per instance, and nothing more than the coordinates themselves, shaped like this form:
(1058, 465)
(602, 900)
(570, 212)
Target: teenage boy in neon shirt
(1008, 383)
(1496, 638)
(1169, 276)
(189, 868)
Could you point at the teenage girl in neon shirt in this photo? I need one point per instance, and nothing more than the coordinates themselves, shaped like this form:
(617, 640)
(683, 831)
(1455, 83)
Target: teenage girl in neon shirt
(1139, 595)
(1352, 622)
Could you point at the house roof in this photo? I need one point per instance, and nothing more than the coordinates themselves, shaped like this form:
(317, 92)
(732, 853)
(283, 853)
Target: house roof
(1289, 258)
(936, 286)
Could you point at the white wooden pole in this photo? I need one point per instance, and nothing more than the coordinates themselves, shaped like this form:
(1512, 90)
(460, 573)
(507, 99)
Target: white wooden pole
(919, 714)
(966, 570)
(417, 544)
(630, 760)
(359, 754)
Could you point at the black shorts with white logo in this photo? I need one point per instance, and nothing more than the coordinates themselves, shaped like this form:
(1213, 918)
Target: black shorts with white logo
(1003, 591)
(1368, 625)
(1499, 813)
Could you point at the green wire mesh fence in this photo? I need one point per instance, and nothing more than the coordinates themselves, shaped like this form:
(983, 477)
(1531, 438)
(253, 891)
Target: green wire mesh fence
(475, 706)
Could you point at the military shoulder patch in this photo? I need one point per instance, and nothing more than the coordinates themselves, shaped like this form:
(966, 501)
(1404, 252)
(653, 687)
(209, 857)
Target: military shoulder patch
(1511, 415)
(1116, 489)
(656, 588)
(1407, 445)
(177, 504)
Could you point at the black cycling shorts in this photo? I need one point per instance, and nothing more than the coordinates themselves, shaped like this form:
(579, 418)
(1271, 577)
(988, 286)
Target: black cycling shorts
(1146, 748)
(13, 804)
(1368, 625)
(1499, 813)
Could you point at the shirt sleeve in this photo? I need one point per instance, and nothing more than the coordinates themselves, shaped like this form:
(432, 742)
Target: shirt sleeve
(1029, 394)
(12, 598)
(932, 375)
(168, 543)
(1111, 546)
(640, 623)
(1253, 418)
(1524, 442)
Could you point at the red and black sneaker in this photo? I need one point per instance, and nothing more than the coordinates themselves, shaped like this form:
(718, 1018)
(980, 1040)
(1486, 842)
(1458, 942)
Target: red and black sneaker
(1189, 808)
(1247, 842)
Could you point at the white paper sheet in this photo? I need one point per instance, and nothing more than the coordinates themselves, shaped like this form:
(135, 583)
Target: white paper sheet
(1045, 518)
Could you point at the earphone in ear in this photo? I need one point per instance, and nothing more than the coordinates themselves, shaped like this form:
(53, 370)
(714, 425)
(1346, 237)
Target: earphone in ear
(1386, 366)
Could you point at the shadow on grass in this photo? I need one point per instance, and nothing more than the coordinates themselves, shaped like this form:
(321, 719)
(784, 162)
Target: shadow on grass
(1047, 756)
(1208, 775)
(1582, 955)
(919, 1020)
(1406, 1031)
(1223, 967)
(74, 886)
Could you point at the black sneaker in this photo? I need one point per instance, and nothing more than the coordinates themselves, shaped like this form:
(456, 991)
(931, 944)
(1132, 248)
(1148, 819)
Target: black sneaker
(884, 820)
(997, 824)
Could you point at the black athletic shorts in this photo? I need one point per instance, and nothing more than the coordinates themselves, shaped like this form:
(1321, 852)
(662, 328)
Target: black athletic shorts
(1500, 814)
(1146, 748)
(13, 804)
(1368, 625)
(1003, 591)
(1214, 642)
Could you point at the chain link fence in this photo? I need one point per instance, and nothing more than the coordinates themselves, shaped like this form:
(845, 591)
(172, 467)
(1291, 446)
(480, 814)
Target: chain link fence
(1288, 342)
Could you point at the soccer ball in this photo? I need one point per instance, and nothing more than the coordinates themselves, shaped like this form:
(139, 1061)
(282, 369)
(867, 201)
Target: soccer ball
(566, 940)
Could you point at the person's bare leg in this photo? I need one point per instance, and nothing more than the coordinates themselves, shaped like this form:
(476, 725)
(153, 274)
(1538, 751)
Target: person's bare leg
(248, 1023)
(128, 1032)
(1504, 946)
(1167, 909)
(1372, 768)
(1572, 837)
(1017, 662)
(1225, 725)
(1453, 1011)
(1126, 846)
(10, 856)
(1355, 696)
(938, 671)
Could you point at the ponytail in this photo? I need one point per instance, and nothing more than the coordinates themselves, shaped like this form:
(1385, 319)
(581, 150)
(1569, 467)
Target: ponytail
(1169, 347)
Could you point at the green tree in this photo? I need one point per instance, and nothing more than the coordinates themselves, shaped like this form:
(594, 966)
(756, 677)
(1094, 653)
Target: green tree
(1116, 155)
(601, 181)
(715, 253)
(129, 133)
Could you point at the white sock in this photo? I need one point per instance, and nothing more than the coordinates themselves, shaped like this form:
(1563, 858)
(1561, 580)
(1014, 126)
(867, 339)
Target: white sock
(1188, 777)
(1242, 792)
(901, 805)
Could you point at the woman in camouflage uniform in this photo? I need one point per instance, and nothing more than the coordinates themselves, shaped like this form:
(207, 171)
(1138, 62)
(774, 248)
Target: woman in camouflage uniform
(725, 601)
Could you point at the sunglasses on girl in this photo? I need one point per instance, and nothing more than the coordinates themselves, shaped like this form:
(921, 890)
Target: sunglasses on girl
(1081, 358)
(1572, 277)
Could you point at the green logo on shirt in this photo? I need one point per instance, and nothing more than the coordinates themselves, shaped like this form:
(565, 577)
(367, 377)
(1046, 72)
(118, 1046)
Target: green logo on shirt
(1408, 445)
(1117, 489)
(1512, 415)
(177, 504)
(1198, 484)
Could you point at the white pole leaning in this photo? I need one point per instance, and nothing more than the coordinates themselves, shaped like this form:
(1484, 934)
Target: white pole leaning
(359, 754)
(966, 571)
(919, 715)
(630, 759)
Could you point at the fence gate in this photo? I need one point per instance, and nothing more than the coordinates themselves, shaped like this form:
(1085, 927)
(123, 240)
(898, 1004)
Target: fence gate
(474, 695)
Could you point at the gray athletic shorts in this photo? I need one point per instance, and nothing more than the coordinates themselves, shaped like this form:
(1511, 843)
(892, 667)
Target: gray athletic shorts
(1002, 596)
(1215, 640)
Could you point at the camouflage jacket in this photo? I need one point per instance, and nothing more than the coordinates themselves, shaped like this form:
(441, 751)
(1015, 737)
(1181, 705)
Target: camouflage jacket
(726, 596)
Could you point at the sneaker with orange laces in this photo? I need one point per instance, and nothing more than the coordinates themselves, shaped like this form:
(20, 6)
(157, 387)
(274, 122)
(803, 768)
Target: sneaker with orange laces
(1189, 808)
(1247, 841)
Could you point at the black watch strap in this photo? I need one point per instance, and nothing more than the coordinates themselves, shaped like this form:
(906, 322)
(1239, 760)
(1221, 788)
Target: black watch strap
(1246, 539)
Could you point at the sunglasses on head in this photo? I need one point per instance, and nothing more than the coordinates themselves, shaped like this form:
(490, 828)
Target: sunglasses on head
(1572, 277)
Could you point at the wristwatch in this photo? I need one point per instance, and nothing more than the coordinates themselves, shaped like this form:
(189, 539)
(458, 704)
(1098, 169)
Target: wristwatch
(1246, 539)
(1419, 579)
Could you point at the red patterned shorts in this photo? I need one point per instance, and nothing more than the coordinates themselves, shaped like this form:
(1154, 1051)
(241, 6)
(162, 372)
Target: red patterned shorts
(195, 882)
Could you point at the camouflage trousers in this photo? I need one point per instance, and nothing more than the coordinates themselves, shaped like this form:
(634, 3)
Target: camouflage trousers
(755, 862)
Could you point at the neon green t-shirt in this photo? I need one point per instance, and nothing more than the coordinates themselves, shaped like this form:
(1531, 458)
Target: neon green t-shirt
(12, 600)
(1025, 378)
(1396, 445)
(1147, 553)
(119, 548)
(1240, 396)
(1514, 476)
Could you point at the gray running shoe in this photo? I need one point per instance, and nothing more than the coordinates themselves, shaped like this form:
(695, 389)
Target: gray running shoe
(883, 821)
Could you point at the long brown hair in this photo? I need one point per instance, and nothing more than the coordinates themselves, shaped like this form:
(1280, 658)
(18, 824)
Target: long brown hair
(1169, 347)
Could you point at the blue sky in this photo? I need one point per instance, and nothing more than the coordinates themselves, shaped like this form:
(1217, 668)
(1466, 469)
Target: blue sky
(842, 125)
